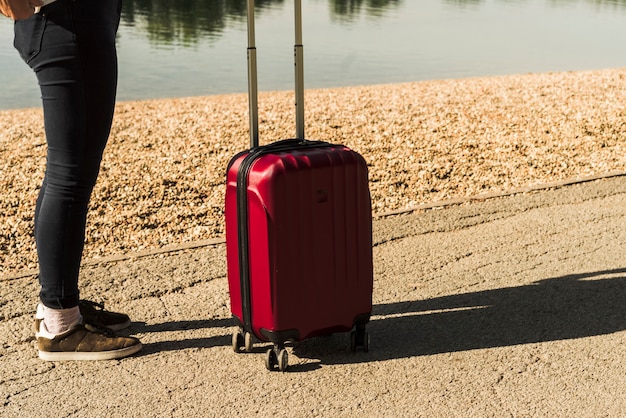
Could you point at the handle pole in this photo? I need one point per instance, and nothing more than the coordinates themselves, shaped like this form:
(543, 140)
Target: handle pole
(253, 90)
(299, 71)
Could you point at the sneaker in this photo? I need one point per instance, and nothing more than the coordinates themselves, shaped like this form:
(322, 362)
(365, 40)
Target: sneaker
(84, 342)
(94, 314)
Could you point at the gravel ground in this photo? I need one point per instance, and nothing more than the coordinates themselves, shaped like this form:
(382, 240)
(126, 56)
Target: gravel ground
(162, 178)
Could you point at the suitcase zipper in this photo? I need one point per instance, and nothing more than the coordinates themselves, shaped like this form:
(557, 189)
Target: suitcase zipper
(242, 214)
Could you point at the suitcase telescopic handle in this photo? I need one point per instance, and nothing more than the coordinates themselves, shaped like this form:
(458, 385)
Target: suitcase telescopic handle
(253, 91)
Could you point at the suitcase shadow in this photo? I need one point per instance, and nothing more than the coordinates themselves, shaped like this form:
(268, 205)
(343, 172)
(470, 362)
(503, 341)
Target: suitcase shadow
(568, 307)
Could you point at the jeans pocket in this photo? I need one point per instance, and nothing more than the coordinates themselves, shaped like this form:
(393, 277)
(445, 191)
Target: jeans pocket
(28, 36)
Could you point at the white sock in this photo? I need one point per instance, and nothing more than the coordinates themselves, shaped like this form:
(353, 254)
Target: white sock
(58, 321)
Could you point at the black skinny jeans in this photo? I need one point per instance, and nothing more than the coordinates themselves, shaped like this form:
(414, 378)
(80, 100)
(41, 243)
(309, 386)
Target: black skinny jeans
(70, 45)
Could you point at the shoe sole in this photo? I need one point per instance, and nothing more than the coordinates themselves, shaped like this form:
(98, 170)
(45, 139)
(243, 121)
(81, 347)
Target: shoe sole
(89, 356)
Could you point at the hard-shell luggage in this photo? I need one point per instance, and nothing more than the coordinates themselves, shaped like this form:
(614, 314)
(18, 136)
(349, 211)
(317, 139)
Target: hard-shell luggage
(298, 234)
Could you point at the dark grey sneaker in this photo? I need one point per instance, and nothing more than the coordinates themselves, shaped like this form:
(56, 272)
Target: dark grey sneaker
(84, 342)
(93, 313)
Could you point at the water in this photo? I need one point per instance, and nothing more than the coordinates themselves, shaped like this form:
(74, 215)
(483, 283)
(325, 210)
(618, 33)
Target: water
(177, 48)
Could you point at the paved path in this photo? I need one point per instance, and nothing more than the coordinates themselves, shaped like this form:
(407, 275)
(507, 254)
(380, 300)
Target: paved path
(512, 306)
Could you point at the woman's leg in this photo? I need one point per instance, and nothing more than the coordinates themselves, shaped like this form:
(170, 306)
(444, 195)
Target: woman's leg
(71, 48)
(70, 45)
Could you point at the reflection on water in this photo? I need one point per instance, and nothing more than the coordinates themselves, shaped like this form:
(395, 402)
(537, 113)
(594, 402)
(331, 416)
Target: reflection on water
(184, 22)
(347, 10)
(552, 3)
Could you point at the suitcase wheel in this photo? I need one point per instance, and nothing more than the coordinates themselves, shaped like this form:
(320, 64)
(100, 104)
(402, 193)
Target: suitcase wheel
(359, 338)
(276, 358)
(242, 341)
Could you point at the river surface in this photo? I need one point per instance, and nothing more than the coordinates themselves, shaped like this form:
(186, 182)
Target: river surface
(178, 48)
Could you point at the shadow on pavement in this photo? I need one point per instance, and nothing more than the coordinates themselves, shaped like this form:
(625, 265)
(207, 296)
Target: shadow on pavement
(182, 344)
(568, 307)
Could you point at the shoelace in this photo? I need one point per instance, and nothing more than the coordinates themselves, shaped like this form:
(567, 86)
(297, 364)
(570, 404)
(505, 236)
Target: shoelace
(92, 304)
(99, 330)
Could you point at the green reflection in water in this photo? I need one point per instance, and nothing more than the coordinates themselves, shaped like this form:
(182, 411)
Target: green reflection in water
(185, 22)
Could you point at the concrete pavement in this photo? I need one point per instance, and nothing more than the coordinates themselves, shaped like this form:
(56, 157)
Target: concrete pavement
(509, 306)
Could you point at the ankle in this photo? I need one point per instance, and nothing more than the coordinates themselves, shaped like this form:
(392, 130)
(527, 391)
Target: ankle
(58, 321)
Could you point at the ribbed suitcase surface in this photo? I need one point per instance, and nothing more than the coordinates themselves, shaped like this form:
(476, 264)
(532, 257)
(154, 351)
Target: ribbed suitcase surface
(309, 246)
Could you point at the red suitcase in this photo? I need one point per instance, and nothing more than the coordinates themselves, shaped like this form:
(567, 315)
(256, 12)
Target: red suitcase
(298, 235)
